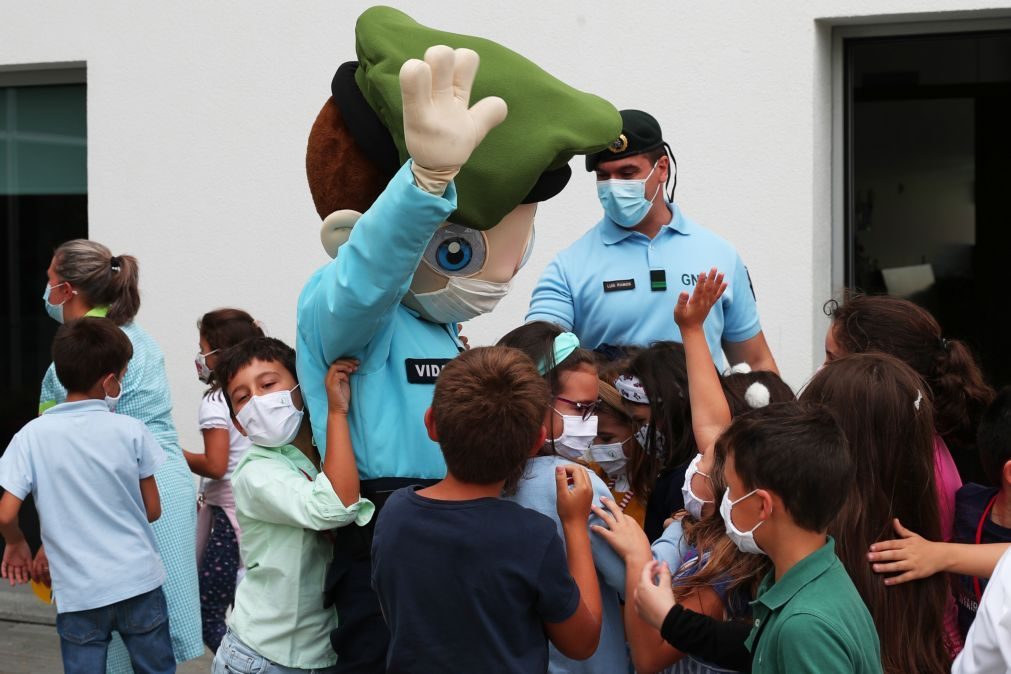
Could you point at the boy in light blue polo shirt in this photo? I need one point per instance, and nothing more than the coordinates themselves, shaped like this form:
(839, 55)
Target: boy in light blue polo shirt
(91, 473)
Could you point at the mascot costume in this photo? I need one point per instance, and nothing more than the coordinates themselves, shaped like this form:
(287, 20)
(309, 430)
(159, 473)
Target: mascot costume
(428, 206)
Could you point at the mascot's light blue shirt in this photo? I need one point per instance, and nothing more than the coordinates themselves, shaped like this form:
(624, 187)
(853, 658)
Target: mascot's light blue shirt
(351, 308)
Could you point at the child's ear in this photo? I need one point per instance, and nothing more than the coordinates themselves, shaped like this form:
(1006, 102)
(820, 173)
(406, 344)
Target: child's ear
(1005, 474)
(768, 503)
(433, 434)
(542, 437)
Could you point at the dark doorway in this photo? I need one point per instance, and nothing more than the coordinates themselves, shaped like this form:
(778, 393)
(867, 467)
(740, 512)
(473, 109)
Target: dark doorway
(43, 202)
(928, 165)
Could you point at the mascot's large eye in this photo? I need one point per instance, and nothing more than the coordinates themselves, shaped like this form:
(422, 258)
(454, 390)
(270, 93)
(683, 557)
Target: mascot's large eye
(456, 251)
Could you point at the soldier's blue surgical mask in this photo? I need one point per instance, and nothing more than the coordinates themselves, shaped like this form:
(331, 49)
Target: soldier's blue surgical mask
(625, 201)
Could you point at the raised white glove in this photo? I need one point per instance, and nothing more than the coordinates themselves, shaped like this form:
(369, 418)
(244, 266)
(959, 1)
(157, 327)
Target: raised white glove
(440, 130)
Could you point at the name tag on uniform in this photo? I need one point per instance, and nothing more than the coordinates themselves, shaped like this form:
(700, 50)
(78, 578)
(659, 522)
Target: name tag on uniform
(424, 370)
(613, 286)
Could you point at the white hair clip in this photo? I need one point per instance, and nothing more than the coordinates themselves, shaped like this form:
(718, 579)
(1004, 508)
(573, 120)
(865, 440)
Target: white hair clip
(919, 399)
(740, 368)
(757, 395)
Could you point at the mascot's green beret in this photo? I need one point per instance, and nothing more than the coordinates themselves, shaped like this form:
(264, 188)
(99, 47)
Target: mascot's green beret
(548, 123)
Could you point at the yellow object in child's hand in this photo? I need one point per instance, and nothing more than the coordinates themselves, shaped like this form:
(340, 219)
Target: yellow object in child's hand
(43, 592)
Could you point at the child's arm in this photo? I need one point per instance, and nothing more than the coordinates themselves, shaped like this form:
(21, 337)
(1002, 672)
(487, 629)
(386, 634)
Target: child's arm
(213, 463)
(710, 411)
(577, 637)
(649, 651)
(676, 630)
(152, 500)
(339, 463)
(913, 557)
(17, 560)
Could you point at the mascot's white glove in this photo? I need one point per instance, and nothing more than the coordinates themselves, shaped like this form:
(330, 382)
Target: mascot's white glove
(440, 130)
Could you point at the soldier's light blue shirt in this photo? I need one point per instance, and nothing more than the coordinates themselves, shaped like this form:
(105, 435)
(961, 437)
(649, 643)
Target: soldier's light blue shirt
(600, 287)
(351, 308)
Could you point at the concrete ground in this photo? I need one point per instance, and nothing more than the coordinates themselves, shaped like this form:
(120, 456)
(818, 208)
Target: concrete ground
(28, 641)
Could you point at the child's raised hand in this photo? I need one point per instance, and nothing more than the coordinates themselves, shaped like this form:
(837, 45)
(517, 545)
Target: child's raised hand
(17, 563)
(338, 385)
(654, 600)
(708, 290)
(911, 556)
(573, 503)
(622, 532)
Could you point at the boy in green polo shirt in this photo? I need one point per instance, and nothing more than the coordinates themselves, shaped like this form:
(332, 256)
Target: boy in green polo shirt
(788, 472)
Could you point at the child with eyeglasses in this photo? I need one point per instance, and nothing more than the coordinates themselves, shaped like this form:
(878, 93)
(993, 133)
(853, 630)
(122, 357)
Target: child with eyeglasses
(571, 424)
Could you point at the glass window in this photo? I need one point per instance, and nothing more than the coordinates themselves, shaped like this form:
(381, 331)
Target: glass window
(43, 202)
(928, 142)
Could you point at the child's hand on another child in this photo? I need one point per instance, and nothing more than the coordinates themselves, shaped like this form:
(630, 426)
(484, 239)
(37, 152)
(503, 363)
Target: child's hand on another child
(911, 556)
(622, 532)
(654, 601)
(573, 503)
(708, 290)
(338, 385)
(17, 563)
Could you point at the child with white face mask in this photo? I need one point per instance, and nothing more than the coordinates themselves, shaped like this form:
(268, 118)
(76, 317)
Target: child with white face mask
(571, 424)
(616, 455)
(285, 495)
(218, 531)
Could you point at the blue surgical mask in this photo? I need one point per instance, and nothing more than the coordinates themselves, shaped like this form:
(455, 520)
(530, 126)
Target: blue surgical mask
(625, 201)
(55, 311)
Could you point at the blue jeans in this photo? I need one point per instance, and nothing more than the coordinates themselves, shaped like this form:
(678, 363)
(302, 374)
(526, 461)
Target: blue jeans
(235, 657)
(142, 621)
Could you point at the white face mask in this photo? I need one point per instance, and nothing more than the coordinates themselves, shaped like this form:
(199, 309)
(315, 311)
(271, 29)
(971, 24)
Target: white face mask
(271, 420)
(625, 201)
(577, 434)
(203, 371)
(744, 540)
(112, 401)
(610, 457)
(461, 299)
(693, 504)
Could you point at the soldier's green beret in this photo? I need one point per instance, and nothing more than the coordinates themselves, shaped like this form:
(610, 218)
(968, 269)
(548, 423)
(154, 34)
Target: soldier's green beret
(640, 132)
(548, 123)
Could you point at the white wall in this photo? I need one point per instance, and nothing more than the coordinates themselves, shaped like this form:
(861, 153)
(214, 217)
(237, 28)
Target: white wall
(198, 114)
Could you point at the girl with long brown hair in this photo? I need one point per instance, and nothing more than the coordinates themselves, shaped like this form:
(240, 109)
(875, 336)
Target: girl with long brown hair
(224, 446)
(885, 411)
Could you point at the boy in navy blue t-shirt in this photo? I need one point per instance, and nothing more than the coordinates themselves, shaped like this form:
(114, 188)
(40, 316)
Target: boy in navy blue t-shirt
(469, 582)
(983, 514)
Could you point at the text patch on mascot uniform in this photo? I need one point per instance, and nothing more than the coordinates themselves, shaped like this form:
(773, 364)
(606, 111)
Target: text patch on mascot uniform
(429, 209)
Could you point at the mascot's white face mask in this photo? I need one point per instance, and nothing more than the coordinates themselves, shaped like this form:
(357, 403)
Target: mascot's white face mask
(464, 272)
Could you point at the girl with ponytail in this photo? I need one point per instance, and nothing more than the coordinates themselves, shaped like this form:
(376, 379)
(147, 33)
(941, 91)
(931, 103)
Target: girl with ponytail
(956, 389)
(86, 279)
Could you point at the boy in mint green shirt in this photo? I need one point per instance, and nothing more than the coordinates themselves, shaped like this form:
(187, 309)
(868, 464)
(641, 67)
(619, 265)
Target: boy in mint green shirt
(285, 498)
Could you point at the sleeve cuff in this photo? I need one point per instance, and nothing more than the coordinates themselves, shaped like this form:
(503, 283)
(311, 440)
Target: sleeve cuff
(15, 490)
(331, 508)
(742, 335)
